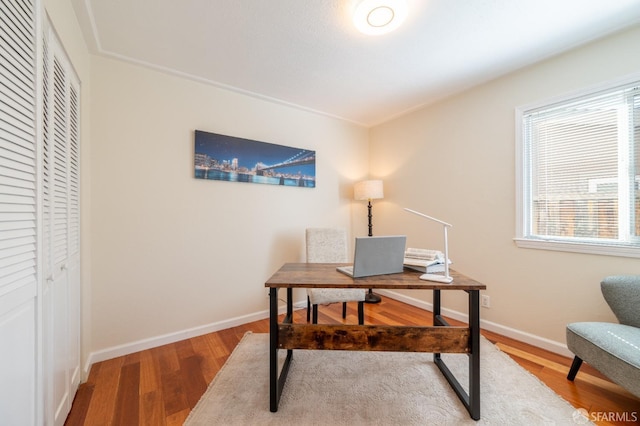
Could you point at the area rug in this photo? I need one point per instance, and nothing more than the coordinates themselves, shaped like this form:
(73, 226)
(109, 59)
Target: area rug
(375, 388)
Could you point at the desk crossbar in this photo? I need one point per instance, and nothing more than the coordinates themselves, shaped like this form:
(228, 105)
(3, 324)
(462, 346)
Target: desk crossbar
(374, 338)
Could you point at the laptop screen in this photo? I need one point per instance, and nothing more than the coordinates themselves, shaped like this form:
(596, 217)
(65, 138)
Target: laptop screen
(379, 255)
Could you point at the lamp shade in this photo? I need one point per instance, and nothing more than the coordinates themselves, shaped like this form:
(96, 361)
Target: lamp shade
(368, 190)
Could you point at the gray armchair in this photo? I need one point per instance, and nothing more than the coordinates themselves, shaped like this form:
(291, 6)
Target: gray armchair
(613, 349)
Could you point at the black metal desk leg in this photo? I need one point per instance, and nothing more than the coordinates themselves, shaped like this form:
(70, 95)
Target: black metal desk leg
(276, 381)
(474, 357)
(273, 349)
(436, 315)
(470, 400)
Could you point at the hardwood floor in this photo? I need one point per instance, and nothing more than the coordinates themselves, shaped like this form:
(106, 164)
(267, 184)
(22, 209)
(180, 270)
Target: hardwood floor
(160, 386)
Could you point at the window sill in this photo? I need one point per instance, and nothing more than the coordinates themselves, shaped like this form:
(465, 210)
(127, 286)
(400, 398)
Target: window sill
(610, 250)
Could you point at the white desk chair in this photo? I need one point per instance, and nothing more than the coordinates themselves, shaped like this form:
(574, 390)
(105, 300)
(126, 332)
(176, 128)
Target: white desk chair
(329, 245)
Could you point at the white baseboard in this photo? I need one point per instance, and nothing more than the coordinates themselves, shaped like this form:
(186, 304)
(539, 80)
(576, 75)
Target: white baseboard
(152, 342)
(164, 339)
(523, 336)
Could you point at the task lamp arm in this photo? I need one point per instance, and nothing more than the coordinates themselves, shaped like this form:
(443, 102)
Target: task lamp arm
(436, 277)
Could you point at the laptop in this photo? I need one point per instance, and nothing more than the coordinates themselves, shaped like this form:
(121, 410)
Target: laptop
(377, 256)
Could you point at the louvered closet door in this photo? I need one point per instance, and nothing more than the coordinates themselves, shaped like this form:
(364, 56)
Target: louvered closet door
(61, 228)
(18, 272)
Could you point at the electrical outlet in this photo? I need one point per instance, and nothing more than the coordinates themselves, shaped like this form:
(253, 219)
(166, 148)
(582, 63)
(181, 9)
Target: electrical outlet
(485, 302)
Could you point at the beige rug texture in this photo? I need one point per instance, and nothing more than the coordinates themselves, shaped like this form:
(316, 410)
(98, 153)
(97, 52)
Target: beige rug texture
(375, 388)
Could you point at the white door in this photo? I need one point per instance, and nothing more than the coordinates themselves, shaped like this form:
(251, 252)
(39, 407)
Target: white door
(19, 353)
(60, 229)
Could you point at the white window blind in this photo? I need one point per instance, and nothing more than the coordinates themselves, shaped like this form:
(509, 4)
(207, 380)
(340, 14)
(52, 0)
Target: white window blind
(581, 169)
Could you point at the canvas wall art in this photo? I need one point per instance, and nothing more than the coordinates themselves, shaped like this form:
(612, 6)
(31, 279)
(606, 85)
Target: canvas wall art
(232, 159)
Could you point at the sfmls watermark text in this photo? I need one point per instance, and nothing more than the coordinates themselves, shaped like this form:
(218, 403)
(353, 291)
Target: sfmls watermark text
(581, 416)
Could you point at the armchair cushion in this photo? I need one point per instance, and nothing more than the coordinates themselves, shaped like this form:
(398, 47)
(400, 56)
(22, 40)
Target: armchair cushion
(614, 349)
(606, 339)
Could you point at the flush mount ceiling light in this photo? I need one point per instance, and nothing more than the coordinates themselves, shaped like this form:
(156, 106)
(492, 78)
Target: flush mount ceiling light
(375, 17)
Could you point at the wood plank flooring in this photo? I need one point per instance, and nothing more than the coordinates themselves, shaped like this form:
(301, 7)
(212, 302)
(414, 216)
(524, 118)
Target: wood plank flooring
(160, 386)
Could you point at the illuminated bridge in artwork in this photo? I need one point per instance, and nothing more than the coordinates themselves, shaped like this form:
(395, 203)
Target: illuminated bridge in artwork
(302, 157)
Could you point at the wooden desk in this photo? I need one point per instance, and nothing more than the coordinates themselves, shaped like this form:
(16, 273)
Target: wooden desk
(439, 338)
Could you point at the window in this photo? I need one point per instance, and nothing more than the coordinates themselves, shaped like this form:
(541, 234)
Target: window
(579, 173)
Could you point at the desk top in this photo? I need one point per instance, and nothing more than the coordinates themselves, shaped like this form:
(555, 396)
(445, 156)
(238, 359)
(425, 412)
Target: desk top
(324, 275)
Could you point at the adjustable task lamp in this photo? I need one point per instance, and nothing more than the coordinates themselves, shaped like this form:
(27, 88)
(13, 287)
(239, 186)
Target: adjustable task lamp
(446, 278)
(369, 190)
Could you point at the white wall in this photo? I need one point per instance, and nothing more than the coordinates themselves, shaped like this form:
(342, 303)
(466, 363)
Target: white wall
(163, 252)
(455, 160)
(169, 252)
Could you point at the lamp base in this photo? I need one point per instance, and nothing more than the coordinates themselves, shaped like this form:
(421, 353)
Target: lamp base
(436, 277)
(371, 297)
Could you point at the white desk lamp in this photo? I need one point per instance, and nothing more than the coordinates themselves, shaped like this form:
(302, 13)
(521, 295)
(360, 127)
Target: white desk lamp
(436, 277)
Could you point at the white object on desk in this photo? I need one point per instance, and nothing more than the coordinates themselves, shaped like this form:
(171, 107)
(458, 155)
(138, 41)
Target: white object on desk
(446, 278)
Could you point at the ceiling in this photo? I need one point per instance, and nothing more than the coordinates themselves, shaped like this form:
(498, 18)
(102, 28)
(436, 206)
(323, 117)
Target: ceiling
(307, 53)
